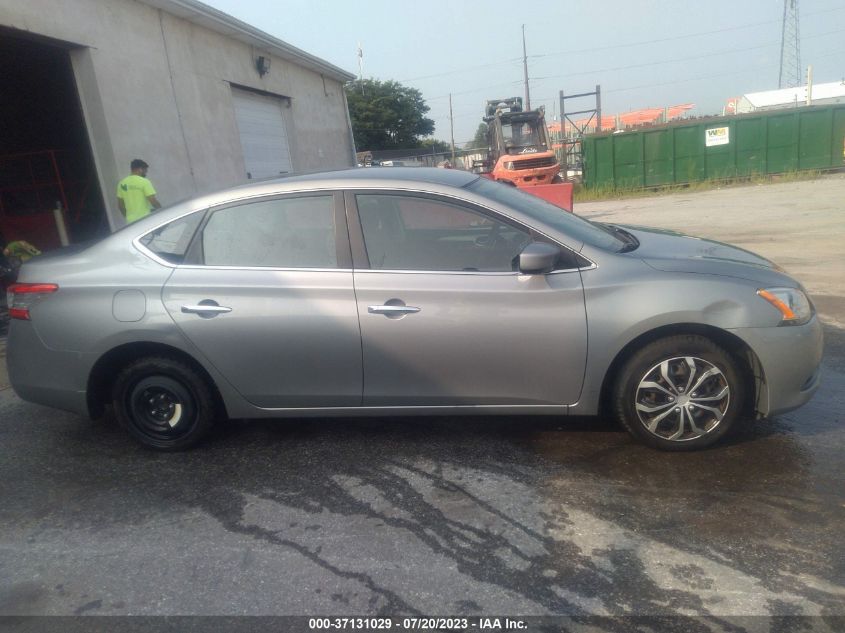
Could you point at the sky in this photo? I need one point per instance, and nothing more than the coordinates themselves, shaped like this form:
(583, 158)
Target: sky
(643, 53)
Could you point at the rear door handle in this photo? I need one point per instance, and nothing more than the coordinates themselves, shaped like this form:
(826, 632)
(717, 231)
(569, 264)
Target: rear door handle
(391, 310)
(207, 309)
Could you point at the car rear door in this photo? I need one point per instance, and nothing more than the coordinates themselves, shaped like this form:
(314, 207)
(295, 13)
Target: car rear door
(445, 318)
(269, 300)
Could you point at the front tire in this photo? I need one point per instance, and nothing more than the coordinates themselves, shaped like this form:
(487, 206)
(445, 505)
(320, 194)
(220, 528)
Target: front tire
(679, 393)
(163, 403)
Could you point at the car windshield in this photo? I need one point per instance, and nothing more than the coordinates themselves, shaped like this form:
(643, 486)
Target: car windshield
(517, 135)
(537, 208)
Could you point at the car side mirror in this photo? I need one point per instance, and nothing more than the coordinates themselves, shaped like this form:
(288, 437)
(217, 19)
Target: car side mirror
(538, 258)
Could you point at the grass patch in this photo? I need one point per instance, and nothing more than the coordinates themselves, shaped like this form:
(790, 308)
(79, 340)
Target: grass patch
(609, 192)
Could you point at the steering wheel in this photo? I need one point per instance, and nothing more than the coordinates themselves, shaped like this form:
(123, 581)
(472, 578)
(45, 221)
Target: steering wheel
(492, 238)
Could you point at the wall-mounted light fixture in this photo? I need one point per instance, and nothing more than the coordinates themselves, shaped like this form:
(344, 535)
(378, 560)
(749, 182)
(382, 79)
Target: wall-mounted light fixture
(262, 65)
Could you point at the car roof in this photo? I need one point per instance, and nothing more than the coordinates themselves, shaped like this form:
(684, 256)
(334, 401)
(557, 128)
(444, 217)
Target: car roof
(408, 178)
(371, 176)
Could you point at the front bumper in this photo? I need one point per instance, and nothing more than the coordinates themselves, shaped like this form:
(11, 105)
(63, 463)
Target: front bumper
(790, 358)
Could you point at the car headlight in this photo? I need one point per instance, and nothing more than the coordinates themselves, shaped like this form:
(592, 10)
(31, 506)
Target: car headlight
(794, 306)
(508, 165)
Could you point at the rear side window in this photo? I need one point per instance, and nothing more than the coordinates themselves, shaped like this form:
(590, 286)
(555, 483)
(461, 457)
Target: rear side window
(170, 242)
(282, 233)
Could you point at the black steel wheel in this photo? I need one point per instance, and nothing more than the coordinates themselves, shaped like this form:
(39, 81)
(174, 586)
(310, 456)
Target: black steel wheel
(679, 393)
(163, 403)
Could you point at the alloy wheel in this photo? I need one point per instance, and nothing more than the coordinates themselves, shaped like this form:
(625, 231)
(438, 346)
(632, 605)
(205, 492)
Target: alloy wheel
(682, 399)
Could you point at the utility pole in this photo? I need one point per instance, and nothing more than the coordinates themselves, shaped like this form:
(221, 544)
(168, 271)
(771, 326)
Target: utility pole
(361, 68)
(598, 108)
(525, 69)
(452, 128)
(809, 85)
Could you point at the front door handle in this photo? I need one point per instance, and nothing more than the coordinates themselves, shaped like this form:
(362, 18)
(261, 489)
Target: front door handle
(392, 310)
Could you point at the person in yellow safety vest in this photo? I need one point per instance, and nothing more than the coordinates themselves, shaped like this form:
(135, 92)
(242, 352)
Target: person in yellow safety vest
(136, 196)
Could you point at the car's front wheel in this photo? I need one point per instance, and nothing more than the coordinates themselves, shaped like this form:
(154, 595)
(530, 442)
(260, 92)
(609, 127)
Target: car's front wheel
(679, 393)
(163, 403)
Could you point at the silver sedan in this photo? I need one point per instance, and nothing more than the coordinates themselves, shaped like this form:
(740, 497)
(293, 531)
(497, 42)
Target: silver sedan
(408, 291)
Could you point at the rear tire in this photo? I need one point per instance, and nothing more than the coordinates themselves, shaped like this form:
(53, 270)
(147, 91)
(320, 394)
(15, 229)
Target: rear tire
(163, 403)
(680, 393)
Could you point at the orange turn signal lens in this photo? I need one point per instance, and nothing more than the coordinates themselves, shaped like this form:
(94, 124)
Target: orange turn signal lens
(785, 310)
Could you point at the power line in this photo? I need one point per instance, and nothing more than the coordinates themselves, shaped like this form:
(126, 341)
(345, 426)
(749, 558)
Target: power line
(661, 63)
(613, 46)
(463, 70)
(678, 37)
(705, 77)
(488, 88)
(690, 79)
(806, 37)
(679, 81)
(677, 59)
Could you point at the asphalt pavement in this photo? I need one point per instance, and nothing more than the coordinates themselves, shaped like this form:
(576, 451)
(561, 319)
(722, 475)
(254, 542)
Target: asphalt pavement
(423, 516)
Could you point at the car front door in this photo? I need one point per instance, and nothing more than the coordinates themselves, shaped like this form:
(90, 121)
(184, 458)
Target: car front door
(447, 320)
(267, 296)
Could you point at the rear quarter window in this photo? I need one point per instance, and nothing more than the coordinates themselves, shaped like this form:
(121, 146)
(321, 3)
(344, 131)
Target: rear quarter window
(170, 242)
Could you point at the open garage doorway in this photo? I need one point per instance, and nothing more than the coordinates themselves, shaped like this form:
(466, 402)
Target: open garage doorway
(45, 156)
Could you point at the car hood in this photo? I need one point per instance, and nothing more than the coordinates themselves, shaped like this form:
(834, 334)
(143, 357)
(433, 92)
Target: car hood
(670, 251)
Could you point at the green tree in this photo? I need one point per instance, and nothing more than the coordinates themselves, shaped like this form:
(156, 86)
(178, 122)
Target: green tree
(480, 138)
(387, 115)
(438, 146)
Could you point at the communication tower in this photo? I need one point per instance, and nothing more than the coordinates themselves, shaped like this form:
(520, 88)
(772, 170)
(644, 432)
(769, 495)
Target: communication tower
(790, 47)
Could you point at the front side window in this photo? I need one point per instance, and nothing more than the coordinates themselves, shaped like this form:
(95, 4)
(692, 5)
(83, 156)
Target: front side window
(416, 233)
(282, 233)
(567, 223)
(170, 242)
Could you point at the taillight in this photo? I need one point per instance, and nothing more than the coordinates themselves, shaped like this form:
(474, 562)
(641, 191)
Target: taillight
(21, 297)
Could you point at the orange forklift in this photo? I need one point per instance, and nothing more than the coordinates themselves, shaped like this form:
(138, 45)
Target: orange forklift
(520, 153)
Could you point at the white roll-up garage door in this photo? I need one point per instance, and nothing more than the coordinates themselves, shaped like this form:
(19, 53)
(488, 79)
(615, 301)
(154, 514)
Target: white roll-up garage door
(263, 136)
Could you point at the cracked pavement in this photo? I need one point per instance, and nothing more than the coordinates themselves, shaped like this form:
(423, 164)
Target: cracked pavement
(424, 516)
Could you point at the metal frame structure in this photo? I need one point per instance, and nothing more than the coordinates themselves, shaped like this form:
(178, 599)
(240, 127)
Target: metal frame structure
(37, 177)
(572, 146)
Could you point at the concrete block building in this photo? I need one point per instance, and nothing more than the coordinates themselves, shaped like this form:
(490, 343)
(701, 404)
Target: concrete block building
(207, 100)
